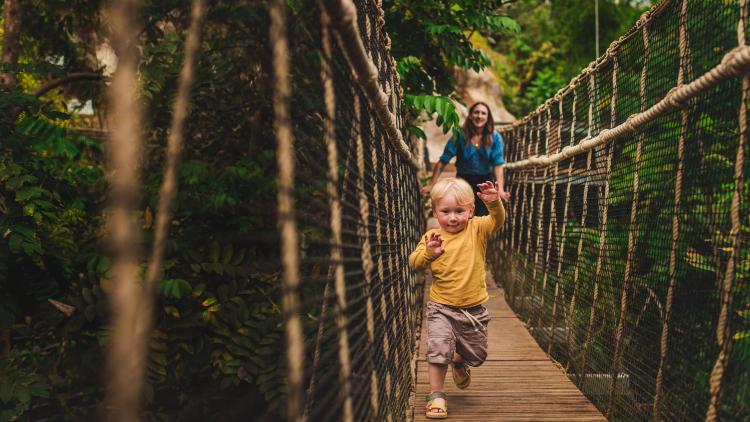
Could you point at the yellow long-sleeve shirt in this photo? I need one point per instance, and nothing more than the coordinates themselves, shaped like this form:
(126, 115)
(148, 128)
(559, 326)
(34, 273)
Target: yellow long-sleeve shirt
(458, 274)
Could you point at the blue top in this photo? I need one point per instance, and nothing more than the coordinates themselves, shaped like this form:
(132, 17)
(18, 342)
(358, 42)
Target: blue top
(473, 160)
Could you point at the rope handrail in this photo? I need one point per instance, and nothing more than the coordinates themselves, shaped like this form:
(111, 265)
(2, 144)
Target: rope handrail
(641, 267)
(734, 63)
(592, 67)
(343, 15)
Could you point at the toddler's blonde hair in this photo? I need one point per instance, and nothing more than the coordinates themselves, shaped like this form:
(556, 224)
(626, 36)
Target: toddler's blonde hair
(458, 187)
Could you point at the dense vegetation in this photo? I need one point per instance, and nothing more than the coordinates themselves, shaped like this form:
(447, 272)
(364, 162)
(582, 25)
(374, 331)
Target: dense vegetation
(557, 41)
(215, 350)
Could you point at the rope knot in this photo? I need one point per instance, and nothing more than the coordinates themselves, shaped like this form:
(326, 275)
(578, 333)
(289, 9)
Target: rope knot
(673, 98)
(630, 122)
(737, 59)
(643, 20)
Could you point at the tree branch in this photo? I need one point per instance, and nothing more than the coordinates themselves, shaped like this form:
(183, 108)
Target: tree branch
(73, 77)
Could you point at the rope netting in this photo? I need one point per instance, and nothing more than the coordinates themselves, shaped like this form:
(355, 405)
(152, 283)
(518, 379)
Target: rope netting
(348, 217)
(333, 276)
(626, 251)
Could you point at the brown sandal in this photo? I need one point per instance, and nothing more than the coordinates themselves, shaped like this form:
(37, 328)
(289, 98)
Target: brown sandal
(462, 380)
(442, 408)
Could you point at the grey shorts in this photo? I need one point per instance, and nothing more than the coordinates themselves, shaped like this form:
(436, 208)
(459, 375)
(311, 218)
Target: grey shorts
(451, 330)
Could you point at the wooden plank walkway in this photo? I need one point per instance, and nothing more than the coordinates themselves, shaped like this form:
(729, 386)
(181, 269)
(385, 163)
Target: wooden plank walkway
(516, 383)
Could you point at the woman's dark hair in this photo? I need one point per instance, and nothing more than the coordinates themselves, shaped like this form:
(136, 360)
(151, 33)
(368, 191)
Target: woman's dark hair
(486, 131)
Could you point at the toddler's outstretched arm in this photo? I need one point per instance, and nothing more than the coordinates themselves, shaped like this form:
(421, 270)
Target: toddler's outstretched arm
(490, 195)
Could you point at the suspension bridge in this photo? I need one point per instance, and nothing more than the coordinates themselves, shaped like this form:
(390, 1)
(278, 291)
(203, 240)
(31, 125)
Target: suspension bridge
(619, 285)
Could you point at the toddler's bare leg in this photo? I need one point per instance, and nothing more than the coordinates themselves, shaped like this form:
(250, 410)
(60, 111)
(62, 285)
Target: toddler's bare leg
(436, 373)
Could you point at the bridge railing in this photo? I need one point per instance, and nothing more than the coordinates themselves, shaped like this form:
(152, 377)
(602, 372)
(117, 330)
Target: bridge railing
(626, 248)
(349, 213)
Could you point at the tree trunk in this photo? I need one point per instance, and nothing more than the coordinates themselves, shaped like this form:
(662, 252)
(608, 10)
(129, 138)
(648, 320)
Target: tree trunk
(12, 30)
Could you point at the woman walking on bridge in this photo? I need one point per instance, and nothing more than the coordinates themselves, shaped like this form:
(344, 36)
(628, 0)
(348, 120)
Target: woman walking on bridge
(479, 155)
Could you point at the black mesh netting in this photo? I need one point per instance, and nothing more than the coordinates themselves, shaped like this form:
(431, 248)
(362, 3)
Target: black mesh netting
(358, 310)
(588, 258)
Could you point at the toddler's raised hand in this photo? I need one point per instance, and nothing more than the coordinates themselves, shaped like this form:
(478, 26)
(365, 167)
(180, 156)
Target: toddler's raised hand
(488, 192)
(434, 243)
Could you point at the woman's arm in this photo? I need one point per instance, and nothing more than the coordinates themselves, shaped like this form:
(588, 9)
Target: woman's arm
(498, 160)
(505, 196)
(448, 152)
(436, 170)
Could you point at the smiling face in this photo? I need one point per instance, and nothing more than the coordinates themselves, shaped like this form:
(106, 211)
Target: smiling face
(479, 115)
(451, 216)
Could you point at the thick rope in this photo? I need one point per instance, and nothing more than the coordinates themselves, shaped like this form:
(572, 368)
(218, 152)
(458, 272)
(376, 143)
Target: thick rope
(168, 189)
(573, 297)
(723, 332)
(126, 358)
(553, 224)
(388, 204)
(538, 243)
(343, 15)
(285, 209)
(368, 265)
(632, 230)
(527, 226)
(664, 338)
(516, 239)
(584, 214)
(605, 202)
(734, 63)
(522, 210)
(334, 203)
(545, 275)
(380, 169)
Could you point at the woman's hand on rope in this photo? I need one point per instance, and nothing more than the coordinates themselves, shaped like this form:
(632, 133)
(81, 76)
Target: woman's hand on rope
(505, 196)
(488, 192)
(426, 189)
(434, 243)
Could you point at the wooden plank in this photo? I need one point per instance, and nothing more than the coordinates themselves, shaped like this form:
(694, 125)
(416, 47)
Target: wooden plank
(516, 383)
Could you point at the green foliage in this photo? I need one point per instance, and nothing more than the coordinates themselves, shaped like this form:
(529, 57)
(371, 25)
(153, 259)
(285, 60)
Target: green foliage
(20, 387)
(447, 117)
(214, 350)
(430, 37)
(557, 41)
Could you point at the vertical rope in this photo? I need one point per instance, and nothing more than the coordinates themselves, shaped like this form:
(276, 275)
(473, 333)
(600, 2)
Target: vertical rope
(605, 211)
(514, 210)
(168, 189)
(584, 214)
(545, 275)
(334, 202)
(379, 170)
(389, 238)
(516, 239)
(126, 359)
(553, 224)
(574, 295)
(632, 231)
(368, 265)
(540, 217)
(519, 221)
(286, 220)
(527, 225)
(664, 338)
(723, 333)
